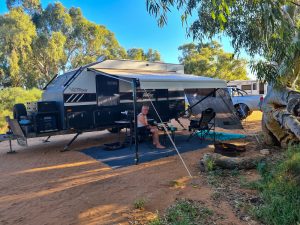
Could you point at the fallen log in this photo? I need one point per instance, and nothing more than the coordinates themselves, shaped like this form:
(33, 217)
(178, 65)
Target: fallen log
(225, 162)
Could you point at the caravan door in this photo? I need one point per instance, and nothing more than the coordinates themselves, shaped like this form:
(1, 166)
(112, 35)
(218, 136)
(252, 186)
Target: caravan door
(108, 101)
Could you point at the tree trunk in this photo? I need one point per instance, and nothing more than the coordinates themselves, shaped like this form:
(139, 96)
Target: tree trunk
(280, 123)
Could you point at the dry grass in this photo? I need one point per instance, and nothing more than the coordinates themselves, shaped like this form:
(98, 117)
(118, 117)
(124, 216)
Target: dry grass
(255, 116)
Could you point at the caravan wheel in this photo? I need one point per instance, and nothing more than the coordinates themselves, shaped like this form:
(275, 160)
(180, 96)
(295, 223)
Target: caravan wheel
(19, 110)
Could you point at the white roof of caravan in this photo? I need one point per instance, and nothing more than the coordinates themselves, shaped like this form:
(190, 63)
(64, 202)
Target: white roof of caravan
(125, 64)
(151, 75)
(164, 79)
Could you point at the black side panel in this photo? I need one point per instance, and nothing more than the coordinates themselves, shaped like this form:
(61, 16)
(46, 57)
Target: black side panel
(80, 117)
(105, 116)
(168, 103)
(47, 106)
(162, 103)
(46, 122)
(78, 120)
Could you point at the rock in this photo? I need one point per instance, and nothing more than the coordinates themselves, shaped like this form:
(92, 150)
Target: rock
(202, 166)
(254, 200)
(265, 152)
(247, 162)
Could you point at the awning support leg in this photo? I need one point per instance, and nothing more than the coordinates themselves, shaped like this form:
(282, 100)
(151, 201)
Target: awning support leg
(136, 142)
(11, 151)
(47, 139)
(69, 144)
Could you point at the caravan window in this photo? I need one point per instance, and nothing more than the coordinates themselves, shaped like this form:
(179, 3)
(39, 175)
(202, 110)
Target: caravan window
(261, 88)
(107, 91)
(246, 87)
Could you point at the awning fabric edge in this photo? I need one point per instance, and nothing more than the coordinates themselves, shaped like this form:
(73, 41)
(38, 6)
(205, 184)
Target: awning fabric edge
(169, 81)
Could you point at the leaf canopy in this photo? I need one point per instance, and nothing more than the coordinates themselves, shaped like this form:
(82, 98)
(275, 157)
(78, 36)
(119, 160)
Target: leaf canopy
(209, 59)
(38, 42)
(139, 54)
(267, 28)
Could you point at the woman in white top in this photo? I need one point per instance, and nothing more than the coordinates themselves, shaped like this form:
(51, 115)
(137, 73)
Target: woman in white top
(143, 124)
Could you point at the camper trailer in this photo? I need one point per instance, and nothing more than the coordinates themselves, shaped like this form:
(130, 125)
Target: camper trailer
(94, 96)
(251, 87)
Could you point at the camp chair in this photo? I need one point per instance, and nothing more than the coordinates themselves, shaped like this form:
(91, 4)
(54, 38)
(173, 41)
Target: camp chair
(201, 128)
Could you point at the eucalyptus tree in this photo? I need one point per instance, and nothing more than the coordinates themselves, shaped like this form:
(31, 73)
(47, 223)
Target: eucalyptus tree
(30, 6)
(209, 59)
(139, 54)
(17, 32)
(67, 40)
(268, 28)
(36, 43)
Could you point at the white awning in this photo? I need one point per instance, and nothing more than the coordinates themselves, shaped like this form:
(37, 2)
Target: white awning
(163, 80)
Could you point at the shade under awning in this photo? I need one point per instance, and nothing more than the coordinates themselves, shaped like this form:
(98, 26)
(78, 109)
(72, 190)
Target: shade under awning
(163, 80)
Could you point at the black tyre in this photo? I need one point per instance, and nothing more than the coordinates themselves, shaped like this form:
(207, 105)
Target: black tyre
(242, 111)
(19, 110)
(113, 130)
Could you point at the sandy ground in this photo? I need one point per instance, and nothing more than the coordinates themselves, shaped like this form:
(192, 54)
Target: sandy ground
(40, 185)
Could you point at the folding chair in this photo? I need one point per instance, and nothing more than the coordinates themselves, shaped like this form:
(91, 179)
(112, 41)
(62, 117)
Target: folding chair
(201, 128)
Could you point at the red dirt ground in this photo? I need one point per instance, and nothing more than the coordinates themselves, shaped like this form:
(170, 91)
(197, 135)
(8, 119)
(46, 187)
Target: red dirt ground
(40, 185)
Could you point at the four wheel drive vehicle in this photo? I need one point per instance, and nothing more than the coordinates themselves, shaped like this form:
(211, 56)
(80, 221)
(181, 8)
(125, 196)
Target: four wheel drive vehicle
(244, 104)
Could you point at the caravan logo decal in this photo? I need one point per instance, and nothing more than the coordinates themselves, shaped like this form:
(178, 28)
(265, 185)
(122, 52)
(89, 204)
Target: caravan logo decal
(76, 89)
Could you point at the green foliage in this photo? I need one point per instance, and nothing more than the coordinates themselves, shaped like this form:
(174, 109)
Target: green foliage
(11, 96)
(17, 32)
(139, 203)
(140, 54)
(38, 42)
(235, 172)
(268, 28)
(67, 40)
(210, 164)
(280, 192)
(210, 60)
(31, 6)
(185, 212)
(156, 221)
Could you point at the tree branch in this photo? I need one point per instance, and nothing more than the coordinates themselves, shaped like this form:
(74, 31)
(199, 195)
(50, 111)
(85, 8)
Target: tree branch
(296, 4)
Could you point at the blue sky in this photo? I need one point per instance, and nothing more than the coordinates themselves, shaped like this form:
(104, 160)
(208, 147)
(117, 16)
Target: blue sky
(132, 25)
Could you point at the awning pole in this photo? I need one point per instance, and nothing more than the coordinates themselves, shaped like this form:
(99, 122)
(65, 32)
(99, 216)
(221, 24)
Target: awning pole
(136, 142)
(167, 132)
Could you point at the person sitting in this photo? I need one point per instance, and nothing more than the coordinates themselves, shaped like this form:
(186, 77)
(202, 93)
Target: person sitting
(144, 127)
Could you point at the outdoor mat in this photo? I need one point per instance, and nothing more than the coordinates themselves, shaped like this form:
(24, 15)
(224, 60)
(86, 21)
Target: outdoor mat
(125, 156)
(223, 136)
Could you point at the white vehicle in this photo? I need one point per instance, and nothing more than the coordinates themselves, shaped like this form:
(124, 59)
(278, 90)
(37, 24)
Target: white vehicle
(244, 103)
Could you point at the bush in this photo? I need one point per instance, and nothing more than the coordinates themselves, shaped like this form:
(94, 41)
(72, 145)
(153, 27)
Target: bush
(139, 203)
(185, 212)
(11, 96)
(280, 191)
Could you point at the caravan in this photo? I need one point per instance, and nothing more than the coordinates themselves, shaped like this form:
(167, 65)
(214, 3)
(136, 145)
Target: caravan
(250, 87)
(94, 96)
